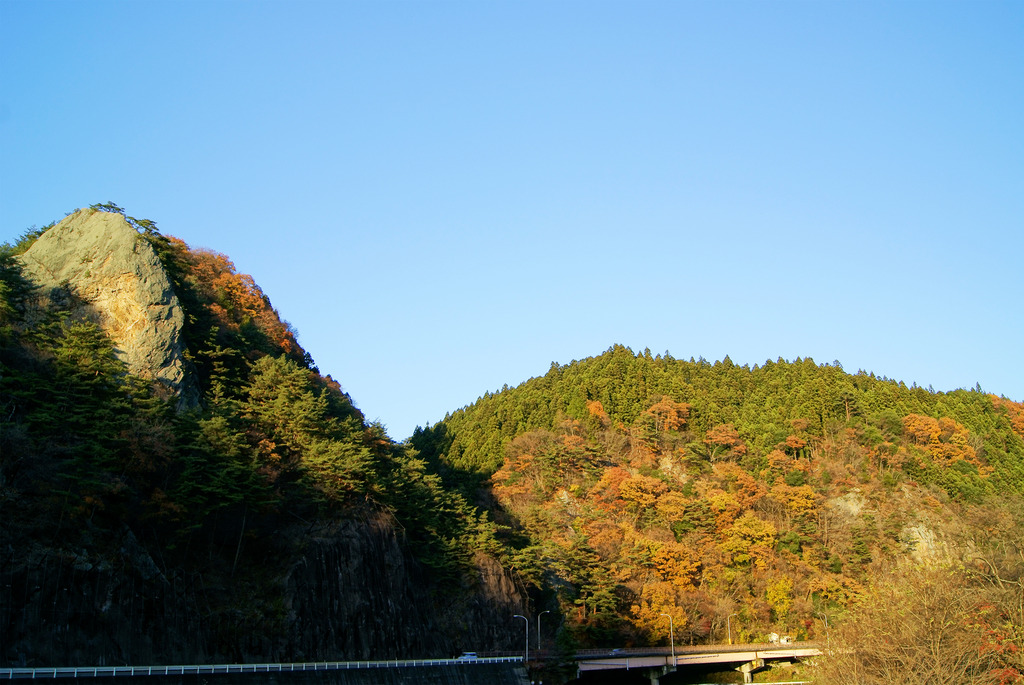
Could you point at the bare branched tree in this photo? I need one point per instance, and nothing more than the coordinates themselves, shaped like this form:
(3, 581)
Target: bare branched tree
(932, 625)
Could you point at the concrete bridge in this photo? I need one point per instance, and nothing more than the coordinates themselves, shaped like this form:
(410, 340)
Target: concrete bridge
(655, 663)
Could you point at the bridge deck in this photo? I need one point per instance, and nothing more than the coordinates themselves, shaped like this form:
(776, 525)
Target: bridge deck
(711, 654)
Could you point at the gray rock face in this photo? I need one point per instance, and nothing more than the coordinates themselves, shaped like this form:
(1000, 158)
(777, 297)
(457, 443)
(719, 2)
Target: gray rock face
(355, 591)
(342, 590)
(111, 275)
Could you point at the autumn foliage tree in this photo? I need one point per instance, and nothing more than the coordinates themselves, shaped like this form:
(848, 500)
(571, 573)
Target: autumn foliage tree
(723, 440)
(929, 624)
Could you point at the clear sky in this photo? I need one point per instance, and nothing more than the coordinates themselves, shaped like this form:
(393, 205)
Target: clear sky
(445, 197)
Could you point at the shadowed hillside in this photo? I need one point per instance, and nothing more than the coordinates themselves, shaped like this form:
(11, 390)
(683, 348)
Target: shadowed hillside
(260, 518)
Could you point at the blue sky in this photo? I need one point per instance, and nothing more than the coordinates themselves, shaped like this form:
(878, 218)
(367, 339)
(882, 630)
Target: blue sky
(445, 197)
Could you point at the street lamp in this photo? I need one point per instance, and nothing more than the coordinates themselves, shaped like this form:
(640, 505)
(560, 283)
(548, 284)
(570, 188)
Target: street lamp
(672, 638)
(728, 623)
(546, 611)
(527, 657)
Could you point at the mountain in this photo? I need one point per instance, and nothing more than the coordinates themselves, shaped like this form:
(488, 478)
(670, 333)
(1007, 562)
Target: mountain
(179, 483)
(791, 498)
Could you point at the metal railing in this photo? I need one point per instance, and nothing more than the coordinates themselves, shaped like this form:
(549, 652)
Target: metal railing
(696, 649)
(198, 669)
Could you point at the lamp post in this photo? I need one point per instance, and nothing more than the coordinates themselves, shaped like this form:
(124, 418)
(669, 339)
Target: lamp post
(527, 657)
(728, 623)
(546, 611)
(672, 638)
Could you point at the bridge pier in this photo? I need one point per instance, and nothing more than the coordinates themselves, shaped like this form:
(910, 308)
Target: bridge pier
(655, 673)
(749, 668)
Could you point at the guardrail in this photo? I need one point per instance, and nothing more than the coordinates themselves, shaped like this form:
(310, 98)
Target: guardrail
(695, 649)
(199, 669)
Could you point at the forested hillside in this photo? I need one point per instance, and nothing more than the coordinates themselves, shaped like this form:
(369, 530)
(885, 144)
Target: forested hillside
(134, 529)
(766, 499)
(249, 512)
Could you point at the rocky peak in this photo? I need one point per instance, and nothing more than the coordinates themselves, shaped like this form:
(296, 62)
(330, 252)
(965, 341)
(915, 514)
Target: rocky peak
(99, 266)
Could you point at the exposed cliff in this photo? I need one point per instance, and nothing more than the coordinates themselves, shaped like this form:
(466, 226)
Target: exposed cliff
(343, 589)
(100, 268)
(354, 590)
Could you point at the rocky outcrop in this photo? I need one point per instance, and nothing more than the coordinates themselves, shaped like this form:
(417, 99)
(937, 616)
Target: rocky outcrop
(322, 591)
(849, 505)
(356, 591)
(98, 266)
